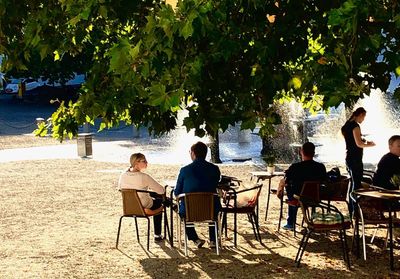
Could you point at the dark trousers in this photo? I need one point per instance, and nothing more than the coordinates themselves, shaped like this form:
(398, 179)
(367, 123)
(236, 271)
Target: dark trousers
(292, 210)
(157, 219)
(355, 168)
(192, 235)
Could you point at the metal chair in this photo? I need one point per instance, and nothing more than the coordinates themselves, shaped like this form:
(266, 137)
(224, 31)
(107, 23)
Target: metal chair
(199, 208)
(133, 208)
(370, 214)
(336, 191)
(320, 217)
(230, 205)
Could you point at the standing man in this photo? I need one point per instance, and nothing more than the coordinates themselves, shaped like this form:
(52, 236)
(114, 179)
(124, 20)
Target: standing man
(199, 176)
(296, 175)
(389, 165)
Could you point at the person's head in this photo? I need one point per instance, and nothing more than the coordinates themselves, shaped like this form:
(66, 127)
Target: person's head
(138, 161)
(394, 145)
(358, 115)
(198, 150)
(307, 151)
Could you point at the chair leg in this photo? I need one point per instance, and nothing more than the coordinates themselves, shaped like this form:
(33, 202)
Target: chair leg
(216, 236)
(137, 230)
(119, 229)
(363, 242)
(300, 247)
(303, 248)
(186, 238)
(346, 250)
(250, 217)
(280, 213)
(148, 234)
(219, 223)
(235, 229)
(257, 228)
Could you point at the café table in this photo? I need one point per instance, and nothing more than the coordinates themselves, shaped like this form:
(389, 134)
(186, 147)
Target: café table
(391, 197)
(263, 175)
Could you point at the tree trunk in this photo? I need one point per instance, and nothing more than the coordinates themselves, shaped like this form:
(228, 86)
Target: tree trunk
(266, 145)
(214, 147)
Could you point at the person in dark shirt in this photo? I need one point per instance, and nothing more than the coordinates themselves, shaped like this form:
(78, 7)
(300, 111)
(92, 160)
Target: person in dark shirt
(389, 165)
(296, 174)
(199, 176)
(354, 149)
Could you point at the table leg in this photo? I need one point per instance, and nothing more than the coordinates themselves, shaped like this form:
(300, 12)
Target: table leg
(171, 215)
(391, 238)
(268, 196)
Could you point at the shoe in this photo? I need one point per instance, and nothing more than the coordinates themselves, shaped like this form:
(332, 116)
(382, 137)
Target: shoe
(199, 242)
(288, 227)
(158, 238)
(211, 244)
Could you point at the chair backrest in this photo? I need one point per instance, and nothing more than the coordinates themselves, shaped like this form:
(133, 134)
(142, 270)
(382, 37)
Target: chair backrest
(131, 203)
(311, 190)
(372, 209)
(199, 206)
(336, 191)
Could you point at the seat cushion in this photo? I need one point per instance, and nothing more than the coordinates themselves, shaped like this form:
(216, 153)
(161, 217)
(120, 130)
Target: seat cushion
(329, 219)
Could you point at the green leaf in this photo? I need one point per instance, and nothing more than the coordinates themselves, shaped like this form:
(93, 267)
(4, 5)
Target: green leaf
(397, 71)
(187, 30)
(56, 55)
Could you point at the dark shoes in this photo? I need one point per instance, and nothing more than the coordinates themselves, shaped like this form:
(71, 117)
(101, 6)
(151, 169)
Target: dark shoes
(288, 227)
(158, 238)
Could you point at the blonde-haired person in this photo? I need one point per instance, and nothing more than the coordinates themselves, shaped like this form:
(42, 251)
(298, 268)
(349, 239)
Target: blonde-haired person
(134, 178)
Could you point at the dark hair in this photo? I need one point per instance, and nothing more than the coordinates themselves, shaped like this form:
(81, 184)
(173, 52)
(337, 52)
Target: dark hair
(393, 139)
(308, 149)
(199, 149)
(357, 112)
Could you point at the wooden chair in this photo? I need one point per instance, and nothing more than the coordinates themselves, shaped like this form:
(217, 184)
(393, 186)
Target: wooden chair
(320, 217)
(230, 205)
(199, 208)
(133, 208)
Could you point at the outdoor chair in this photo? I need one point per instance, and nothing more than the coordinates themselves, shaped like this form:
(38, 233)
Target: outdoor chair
(370, 213)
(199, 208)
(336, 191)
(133, 208)
(307, 189)
(320, 217)
(230, 205)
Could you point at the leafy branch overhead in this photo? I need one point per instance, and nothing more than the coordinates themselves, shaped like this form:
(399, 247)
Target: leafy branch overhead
(223, 61)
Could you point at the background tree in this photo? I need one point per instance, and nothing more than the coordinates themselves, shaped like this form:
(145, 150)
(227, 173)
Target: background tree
(224, 61)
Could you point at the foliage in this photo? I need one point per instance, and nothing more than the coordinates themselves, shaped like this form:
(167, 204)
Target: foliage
(269, 159)
(224, 61)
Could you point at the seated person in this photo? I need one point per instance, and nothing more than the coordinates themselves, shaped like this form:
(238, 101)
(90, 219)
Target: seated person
(134, 178)
(389, 165)
(199, 176)
(296, 174)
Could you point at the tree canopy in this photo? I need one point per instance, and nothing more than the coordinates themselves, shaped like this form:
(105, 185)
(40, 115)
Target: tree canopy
(224, 61)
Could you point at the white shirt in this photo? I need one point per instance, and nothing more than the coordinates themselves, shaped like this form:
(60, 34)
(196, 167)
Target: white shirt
(140, 181)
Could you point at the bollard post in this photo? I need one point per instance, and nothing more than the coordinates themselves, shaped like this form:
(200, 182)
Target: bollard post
(84, 144)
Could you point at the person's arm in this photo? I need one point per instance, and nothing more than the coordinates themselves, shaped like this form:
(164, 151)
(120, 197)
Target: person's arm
(154, 185)
(179, 184)
(359, 141)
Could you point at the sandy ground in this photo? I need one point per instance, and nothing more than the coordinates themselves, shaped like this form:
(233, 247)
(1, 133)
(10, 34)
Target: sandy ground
(59, 219)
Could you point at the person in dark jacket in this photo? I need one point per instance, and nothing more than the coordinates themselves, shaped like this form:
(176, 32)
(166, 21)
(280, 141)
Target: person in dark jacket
(297, 174)
(198, 176)
(389, 165)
